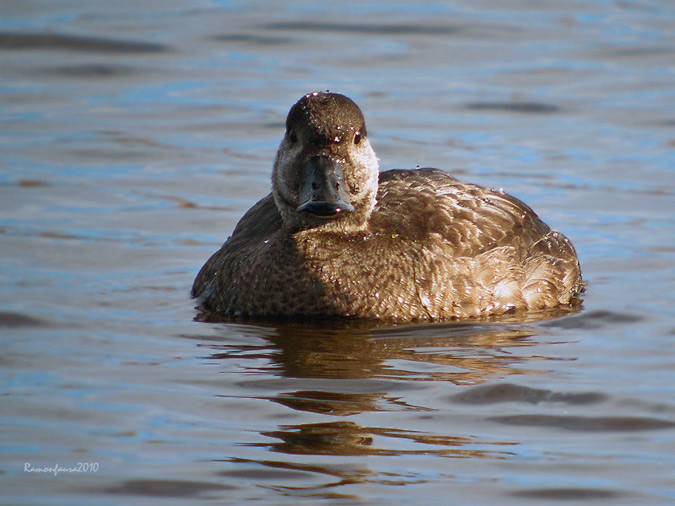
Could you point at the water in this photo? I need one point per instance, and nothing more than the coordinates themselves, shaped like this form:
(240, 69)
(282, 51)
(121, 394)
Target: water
(134, 136)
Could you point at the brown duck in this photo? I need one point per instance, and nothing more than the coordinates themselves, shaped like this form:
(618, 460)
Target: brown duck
(336, 237)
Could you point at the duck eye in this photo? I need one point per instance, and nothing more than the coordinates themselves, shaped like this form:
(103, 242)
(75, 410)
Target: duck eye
(357, 137)
(292, 136)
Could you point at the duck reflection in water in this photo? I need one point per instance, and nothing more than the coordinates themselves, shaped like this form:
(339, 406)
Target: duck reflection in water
(365, 366)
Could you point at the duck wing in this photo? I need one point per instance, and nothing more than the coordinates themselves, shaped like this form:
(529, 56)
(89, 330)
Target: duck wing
(259, 223)
(430, 205)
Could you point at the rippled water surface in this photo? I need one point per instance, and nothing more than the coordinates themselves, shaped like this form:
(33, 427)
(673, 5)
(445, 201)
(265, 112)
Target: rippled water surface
(134, 136)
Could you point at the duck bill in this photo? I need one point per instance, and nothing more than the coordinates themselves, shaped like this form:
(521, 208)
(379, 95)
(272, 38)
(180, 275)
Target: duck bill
(323, 190)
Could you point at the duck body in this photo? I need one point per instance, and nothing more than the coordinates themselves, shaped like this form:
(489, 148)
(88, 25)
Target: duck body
(337, 238)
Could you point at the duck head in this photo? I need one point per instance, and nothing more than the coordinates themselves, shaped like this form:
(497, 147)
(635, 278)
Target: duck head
(325, 173)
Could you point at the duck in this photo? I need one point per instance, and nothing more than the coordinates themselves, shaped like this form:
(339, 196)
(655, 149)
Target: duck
(337, 237)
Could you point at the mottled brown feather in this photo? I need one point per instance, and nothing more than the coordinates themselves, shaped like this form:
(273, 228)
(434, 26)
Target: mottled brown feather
(435, 249)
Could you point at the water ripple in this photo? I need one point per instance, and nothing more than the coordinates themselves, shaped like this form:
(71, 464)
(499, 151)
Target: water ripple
(55, 41)
(587, 423)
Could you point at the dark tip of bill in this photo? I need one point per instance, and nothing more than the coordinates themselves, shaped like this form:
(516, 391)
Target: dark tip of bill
(325, 209)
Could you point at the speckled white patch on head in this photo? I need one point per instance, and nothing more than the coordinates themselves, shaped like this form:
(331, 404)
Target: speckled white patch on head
(363, 155)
